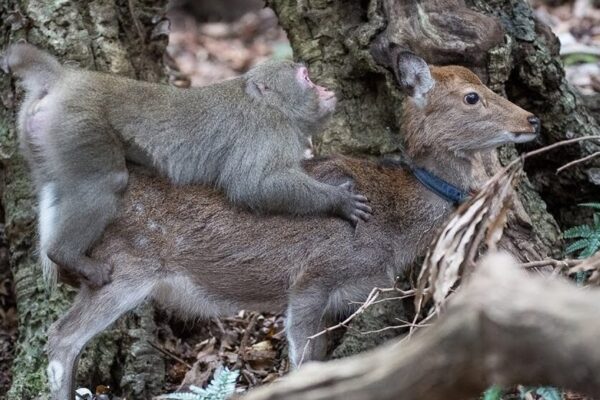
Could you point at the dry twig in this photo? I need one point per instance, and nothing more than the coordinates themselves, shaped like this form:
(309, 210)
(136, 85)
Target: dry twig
(561, 264)
(244, 341)
(136, 22)
(578, 161)
(169, 354)
(371, 298)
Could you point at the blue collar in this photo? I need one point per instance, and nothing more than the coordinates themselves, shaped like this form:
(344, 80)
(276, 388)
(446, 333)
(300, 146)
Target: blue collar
(439, 186)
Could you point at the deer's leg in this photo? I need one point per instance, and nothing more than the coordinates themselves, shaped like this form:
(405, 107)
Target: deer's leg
(306, 316)
(92, 311)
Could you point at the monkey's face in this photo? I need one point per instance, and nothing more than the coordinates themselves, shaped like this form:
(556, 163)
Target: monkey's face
(286, 87)
(325, 97)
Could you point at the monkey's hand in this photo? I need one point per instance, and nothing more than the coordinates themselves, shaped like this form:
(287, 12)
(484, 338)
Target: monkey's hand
(353, 206)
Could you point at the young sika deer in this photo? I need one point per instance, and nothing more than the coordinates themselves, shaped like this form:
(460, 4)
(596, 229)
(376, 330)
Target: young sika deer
(190, 251)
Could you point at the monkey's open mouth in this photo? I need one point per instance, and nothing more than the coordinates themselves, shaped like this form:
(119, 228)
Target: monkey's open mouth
(324, 93)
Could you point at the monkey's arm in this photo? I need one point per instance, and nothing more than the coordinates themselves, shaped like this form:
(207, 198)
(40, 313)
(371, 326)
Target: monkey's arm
(294, 192)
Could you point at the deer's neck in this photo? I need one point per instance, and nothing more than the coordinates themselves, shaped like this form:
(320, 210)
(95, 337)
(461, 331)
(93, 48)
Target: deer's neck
(455, 170)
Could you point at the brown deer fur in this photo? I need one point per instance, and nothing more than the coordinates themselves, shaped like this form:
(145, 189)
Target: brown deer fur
(192, 252)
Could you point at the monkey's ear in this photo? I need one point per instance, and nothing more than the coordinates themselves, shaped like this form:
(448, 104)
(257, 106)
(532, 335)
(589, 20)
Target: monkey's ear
(256, 89)
(413, 74)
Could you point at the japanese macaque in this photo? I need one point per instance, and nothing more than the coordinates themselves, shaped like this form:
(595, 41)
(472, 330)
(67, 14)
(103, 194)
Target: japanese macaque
(246, 136)
(193, 253)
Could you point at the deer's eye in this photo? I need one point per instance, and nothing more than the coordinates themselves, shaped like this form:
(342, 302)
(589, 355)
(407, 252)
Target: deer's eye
(472, 98)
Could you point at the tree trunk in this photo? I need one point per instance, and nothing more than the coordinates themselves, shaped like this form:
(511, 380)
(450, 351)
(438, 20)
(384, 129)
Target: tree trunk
(107, 35)
(501, 41)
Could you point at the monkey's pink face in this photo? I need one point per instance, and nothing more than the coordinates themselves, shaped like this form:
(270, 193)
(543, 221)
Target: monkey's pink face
(327, 99)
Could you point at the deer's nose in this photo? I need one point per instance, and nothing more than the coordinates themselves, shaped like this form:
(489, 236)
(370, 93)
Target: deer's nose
(535, 122)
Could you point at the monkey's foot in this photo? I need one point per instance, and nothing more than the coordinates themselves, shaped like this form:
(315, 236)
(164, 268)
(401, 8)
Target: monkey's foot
(95, 273)
(85, 269)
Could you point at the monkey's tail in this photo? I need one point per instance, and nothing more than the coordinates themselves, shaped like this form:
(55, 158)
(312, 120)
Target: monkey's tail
(49, 270)
(38, 69)
(46, 223)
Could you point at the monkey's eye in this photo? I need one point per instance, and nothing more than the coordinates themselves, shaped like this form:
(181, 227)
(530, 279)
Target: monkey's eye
(304, 75)
(472, 98)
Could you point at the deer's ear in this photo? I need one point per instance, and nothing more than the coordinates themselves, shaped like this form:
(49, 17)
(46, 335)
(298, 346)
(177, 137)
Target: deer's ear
(412, 74)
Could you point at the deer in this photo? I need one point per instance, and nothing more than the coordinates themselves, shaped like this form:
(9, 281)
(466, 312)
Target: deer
(193, 253)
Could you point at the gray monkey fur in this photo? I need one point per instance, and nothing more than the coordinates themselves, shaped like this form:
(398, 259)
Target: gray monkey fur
(246, 136)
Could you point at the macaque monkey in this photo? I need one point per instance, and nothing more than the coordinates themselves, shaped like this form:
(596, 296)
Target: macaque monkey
(246, 136)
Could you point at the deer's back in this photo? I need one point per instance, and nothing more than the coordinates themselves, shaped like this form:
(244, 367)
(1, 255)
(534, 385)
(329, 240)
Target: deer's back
(168, 231)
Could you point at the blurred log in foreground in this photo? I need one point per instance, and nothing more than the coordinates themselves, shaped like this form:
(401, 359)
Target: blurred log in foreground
(504, 327)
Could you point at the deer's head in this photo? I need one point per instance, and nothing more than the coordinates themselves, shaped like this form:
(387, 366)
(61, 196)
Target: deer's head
(449, 109)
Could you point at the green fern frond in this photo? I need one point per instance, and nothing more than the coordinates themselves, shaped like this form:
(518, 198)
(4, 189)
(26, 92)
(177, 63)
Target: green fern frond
(577, 245)
(221, 387)
(587, 237)
(223, 384)
(580, 231)
(590, 205)
(592, 247)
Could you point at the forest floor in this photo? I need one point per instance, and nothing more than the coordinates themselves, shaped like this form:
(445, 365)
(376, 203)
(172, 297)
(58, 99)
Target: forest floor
(200, 54)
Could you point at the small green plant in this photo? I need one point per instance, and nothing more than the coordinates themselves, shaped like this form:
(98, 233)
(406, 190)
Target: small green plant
(588, 236)
(493, 393)
(542, 393)
(221, 387)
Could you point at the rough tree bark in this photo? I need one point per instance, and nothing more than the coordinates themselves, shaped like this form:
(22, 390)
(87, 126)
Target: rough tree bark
(502, 42)
(504, 327)
(107, 35)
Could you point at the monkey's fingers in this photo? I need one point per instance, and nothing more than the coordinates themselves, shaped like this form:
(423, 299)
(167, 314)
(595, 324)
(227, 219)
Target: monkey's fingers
(360, 198)
(363, 209)
(361, 206)
(361, 215)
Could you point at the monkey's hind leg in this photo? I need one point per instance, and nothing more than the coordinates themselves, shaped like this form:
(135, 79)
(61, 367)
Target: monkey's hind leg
(82, 213)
